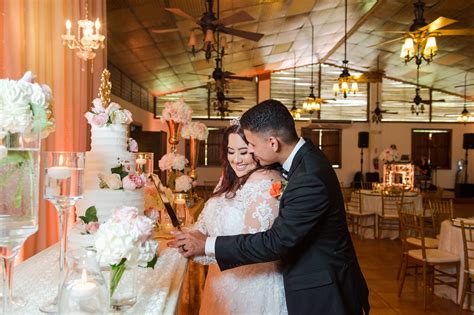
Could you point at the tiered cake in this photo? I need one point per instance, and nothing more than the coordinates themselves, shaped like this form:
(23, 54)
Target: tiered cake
(108, 150)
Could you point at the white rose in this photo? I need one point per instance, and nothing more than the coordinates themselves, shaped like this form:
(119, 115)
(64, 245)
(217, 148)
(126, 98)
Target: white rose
(37, 95)
(183, 183)
(112, 108)
(119, 117)
(15, 110)
(113, 181)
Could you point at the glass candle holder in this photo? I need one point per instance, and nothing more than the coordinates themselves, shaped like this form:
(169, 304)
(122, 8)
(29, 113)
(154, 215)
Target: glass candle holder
(84, 290)
(143, 163)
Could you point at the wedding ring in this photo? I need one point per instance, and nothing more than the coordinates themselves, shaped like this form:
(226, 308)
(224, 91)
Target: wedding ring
(182, 247)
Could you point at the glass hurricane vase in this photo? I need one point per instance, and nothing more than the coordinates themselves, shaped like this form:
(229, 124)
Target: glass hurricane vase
(19, 176)
(63, 186)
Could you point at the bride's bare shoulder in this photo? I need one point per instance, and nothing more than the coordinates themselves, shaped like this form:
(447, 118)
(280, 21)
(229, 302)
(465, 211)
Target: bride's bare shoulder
(265, 174)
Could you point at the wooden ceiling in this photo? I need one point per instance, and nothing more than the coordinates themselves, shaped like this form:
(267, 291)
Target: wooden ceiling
(162, 63)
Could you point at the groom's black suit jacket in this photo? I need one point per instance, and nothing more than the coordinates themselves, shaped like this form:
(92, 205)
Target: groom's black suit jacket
(311, 240)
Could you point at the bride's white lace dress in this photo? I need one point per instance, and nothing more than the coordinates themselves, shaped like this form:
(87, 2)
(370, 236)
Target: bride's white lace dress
(251, 289)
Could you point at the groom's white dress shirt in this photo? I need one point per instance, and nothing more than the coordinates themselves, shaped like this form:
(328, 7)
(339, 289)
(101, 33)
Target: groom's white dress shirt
(210, 247)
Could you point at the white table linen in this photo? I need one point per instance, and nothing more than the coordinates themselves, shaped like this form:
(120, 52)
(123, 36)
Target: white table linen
(372, 202)
(158, 289)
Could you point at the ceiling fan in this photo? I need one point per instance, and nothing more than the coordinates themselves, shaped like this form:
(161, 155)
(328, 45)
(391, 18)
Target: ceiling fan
(377, 112)
(209, 22)
(420, 32)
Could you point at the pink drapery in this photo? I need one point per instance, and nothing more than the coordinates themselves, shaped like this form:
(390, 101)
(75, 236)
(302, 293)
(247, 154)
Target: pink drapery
(31, 40)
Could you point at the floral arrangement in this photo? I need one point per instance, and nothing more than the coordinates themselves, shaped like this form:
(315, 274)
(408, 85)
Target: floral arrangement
(183, 183)
(124, 240)
(100, 116)
(177, 111)
(390, 155)
(122, 178)
(132, 145)
(172, 161)
(277, 188)
(197, 130)
(25, 106)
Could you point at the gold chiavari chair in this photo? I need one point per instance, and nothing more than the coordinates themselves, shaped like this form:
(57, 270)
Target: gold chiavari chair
(408, 240)
(358, 217)
(441, 209)
(428, 259)
(388, 218)
(467, 230)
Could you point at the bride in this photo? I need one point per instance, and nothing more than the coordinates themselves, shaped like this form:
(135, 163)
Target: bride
(241, 203)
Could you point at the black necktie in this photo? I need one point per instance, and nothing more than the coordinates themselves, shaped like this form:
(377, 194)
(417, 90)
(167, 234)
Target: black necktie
(284, 172)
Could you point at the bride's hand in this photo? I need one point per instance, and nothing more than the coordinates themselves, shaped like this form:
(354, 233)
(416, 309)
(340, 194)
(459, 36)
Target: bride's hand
(189, 244)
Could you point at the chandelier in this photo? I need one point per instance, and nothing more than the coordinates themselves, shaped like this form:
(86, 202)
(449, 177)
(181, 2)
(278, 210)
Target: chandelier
(88, 38)
(465, 116)
(420, 47)
(311, 104)
(209, 45)
(294, 111)
(345, 76)
(418, 107)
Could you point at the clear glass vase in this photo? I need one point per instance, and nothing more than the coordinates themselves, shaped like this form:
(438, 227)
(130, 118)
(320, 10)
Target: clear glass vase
(84, 290)
(19, 180)
(124, 296)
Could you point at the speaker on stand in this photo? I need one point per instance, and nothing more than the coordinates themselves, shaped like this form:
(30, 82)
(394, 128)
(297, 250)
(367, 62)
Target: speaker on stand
(467, 143)
(363, 142)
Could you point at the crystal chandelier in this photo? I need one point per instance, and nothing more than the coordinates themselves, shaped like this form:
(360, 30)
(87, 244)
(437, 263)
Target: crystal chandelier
(311, 104)
(88, 38)
(345, 76)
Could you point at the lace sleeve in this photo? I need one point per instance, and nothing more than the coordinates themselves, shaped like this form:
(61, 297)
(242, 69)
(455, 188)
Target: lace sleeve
(201, 226)
(261, 208)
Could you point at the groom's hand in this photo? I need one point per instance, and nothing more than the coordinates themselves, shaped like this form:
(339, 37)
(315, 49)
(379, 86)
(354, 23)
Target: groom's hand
(189, 244)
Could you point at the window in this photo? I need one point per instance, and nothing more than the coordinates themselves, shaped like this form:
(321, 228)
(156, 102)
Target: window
(210, 150)
(433, 144)
(328, 141)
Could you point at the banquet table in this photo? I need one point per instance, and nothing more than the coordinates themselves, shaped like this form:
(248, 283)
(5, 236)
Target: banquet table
(158, 289)
(372, 202)
(450, 240)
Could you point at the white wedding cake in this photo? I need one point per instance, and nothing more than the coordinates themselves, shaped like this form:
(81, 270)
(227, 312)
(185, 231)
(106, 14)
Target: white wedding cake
(110, 181)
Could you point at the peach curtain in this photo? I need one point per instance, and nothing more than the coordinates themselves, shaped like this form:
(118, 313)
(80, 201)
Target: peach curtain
(31, 40)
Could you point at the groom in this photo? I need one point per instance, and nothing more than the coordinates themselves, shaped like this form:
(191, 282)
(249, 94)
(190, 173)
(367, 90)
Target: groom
(309, 237)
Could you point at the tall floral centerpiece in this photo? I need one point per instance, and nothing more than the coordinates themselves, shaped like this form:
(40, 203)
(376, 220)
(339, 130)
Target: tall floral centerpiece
(195, 132)
(124, 242)
(25, 118)
(175, 114)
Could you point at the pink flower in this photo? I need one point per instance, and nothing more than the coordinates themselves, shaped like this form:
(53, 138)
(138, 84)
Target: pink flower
(92, 227)
(132, 145)
(132, 181)
(100, 119)
(124, 214)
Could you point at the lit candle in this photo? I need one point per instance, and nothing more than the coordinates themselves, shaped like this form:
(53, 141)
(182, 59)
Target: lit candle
(59, 172)
(68, 27)
(3, 151)
(97, 26)
(83, 289)
(141, 161)
(179, 201)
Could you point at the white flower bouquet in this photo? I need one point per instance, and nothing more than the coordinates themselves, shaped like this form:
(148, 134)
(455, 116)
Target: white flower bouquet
(389, 155)
(25, 107)
(177, 111)
(100, 116)
(197, 130)
(124, 240)
(183, 183)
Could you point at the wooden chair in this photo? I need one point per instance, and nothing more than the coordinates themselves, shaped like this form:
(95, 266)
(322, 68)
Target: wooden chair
(441, 209)
(467, 231)
(408, 241)
(366, 185)
(357, 217)
(428, 259)
(388, 218)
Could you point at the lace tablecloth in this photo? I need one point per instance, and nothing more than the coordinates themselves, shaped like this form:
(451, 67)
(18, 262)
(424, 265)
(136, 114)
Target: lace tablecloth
(158, 289)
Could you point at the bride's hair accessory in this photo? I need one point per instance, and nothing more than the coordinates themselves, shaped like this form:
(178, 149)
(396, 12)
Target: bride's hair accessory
(235, 121)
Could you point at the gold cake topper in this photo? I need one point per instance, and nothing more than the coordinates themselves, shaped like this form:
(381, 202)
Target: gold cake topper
(105, 88)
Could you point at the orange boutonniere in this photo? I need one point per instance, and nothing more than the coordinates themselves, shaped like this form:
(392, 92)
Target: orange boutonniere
(277, 188)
